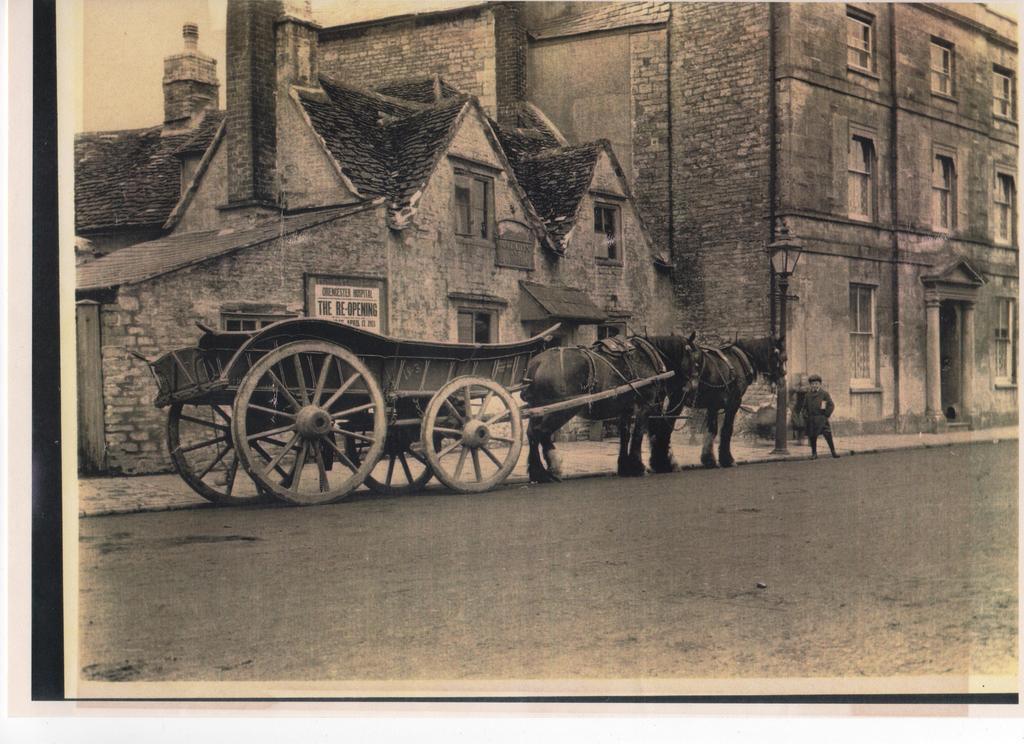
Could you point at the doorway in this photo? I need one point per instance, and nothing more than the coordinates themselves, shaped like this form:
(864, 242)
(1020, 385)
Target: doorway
(951, 359)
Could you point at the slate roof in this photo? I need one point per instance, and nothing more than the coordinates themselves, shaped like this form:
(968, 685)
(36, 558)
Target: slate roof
(559, 303)
(384, 148)
(420, 90)
(142, 261)
(555, 180)
(607, 18)
(132, 178)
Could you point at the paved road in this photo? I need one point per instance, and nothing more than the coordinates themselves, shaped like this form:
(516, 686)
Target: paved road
(900, 563)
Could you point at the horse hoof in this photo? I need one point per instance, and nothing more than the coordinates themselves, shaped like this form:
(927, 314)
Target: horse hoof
(726, 463)
(708, 462)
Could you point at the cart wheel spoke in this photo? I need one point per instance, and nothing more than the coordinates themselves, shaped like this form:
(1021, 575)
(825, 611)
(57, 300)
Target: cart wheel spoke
(418, 456)
(446, 430)
(214, 461)
(220, 412)
(462, 461)
(284, 389)
(476, 464)
(266, 456)
(391, 470)
(455, 411)
(344, 457)
(300, 378)
(325, 484)
(272, 411)
(486, 401)
(498, 418)
(270, 432)
(350, 411)
(232, 472)
(354, 435)
(281, 455)
(449, 448)
(299, 464)
(201, 445)
(204, 422)
(341, 389)
(405, 467)
(322, 380)
(490, 454)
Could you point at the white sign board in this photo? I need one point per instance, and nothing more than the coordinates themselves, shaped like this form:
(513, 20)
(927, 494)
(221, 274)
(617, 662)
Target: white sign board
(355, 306)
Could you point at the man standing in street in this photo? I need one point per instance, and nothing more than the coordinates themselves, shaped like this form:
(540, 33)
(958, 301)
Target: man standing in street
(818, 407)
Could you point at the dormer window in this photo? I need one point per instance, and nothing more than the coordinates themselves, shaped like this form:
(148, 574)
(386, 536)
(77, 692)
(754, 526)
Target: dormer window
(607, 235)
(474, 205)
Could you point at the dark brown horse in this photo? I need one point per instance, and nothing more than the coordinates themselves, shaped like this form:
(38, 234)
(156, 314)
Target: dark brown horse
(724, 375)
(564, 373)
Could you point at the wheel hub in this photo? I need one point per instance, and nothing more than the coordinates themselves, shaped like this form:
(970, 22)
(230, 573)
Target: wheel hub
(312, 422)
(475, 433)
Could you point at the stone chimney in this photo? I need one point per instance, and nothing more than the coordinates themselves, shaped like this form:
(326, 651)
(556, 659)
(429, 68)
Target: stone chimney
(190, 83)
(297, 47)
(252, 104)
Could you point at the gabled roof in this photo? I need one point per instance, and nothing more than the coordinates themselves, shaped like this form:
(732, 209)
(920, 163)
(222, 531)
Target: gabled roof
(555, 180)
(143, 261)
(384, 148)
(610, 17)
(421, 90)
(132, 178)
(955, 271)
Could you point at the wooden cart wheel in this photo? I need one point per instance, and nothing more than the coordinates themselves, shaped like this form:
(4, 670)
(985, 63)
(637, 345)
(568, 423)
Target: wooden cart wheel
(293, 412)
(472, 434)
(202, 450)
(403, 468)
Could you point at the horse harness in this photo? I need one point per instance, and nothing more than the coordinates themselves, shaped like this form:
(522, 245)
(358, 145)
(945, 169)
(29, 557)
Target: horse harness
(620, 349)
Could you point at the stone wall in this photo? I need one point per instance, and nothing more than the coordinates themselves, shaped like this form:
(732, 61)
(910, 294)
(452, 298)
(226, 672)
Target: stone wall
(459, 46)
(649, 99)
(720, 165)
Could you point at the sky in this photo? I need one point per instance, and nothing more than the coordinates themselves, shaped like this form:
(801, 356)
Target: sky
(124, 43)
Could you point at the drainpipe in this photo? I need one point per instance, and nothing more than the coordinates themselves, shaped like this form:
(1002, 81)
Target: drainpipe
(894, 209)
(772, 164)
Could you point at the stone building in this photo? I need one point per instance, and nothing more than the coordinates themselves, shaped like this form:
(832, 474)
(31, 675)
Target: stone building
(884, 137)
(445, 224)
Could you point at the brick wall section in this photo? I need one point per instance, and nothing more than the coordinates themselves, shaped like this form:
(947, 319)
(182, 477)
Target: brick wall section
(510, 61)
(252, 82)
(720, 128)
(159, 315)
(458, 46)
(649, 80)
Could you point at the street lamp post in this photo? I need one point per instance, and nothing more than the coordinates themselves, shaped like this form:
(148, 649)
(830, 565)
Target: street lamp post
(784, 253)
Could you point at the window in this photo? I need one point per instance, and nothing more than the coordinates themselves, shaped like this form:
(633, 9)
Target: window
(861, 174)
(1005, 329)
(236, 321)
(943, 193)
(474, 197)
(477, 327)
(859, 39)
(608, 330)
(942, 67)
(1002, 93)
(1006, 202)
(606, 232)
(862, 334)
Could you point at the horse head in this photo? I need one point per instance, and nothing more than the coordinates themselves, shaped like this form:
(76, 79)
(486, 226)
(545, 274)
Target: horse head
(777, 366)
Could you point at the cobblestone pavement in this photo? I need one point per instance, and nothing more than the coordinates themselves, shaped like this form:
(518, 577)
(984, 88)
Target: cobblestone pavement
(120, 495)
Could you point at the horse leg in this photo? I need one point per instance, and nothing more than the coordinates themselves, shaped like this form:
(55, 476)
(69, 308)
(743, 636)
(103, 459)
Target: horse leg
(537, 435)
(660, 431)
(635, 460)
(625, 419)
(725, 441)
(707, 453)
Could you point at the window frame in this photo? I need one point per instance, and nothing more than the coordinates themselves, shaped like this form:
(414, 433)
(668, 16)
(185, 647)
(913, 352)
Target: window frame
(948, 73)
(870, 177)
(871, 381)
(866, 21)
(258, 320)
(475, 310)
(1010, 81)
(1005, 310)
(616, 211)
(1009, 205)
(950, 189)
(462, 174)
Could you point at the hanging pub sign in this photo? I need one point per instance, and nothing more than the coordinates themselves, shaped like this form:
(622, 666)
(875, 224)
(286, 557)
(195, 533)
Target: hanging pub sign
(355, 301)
